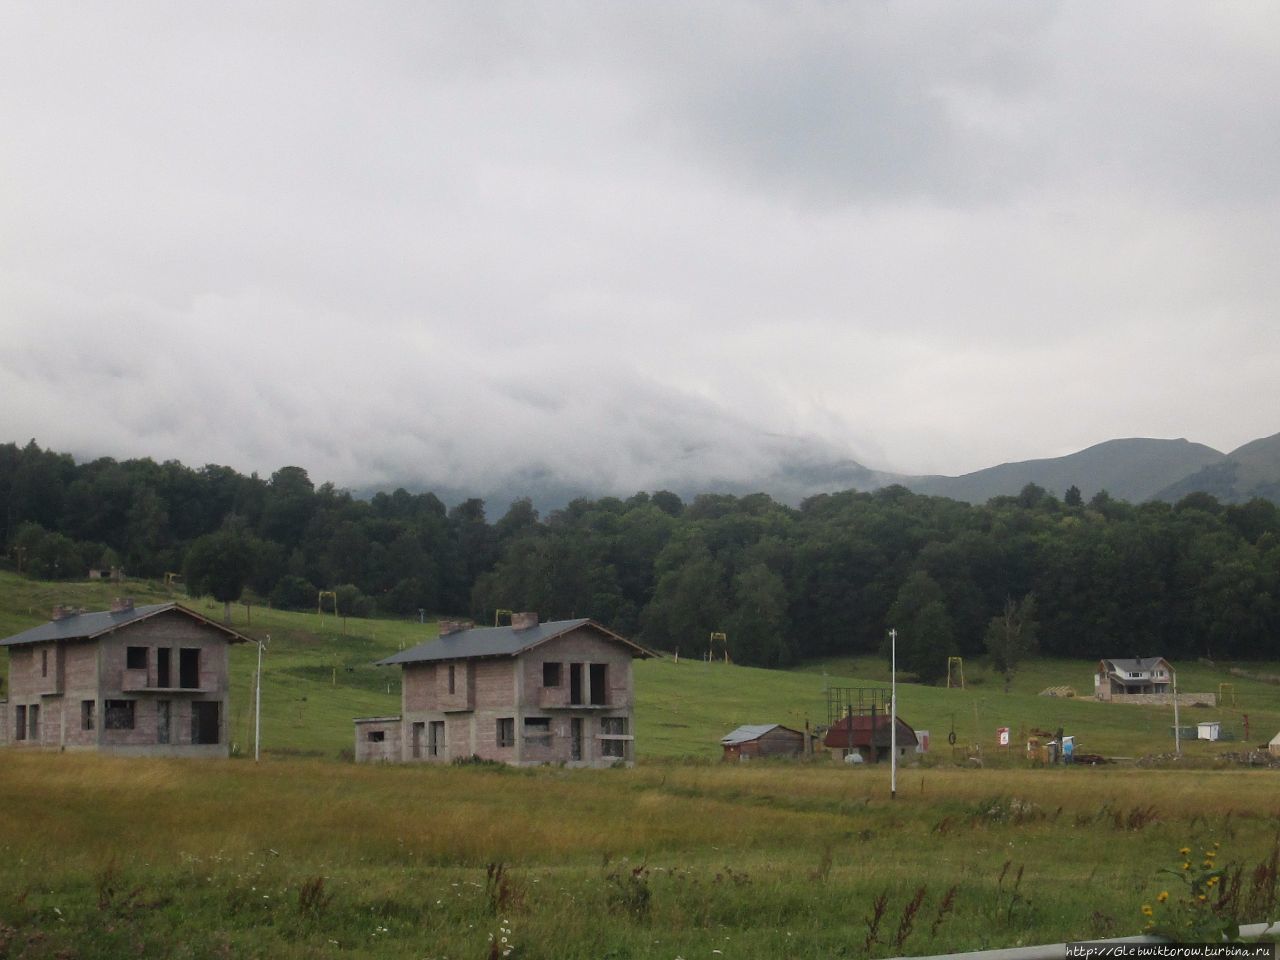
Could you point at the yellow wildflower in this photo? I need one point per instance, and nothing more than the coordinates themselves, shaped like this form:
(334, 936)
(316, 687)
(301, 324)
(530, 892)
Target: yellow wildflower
(1202, 898)
(1146, 910)
(1208, 864)
(1162, 896)
(1184, 851)
(1186, 865)
(1213, 881)
(1210, 854)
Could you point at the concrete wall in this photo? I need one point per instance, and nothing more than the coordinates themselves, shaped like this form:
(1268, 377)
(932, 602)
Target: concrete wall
(369, 748)
(1165, 699)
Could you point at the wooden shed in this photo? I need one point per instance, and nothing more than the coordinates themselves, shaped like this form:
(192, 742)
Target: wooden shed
(868, 735)
(763, 740)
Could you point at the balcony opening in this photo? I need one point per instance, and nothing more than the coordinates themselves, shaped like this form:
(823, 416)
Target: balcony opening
(162, 667)
(189, 668)
(575, 683)
(599, 690)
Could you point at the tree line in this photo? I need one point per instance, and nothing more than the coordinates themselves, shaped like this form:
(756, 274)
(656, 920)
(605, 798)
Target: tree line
(1087, 579)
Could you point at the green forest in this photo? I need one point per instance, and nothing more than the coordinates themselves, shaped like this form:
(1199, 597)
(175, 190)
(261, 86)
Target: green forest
(1067, 576)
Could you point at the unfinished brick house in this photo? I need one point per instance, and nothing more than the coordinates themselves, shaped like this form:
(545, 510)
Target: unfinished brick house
(530, 693)
(148, 680)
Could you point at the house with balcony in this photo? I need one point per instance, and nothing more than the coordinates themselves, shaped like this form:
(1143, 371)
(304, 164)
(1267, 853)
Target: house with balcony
(1141, 675)
(148, 680)
(528, 693)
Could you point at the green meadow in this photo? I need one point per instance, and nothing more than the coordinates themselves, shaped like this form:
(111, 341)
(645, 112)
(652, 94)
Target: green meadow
(306, 855)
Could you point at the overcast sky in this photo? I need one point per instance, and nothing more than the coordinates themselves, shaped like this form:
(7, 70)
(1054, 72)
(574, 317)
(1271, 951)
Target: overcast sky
(625, 242)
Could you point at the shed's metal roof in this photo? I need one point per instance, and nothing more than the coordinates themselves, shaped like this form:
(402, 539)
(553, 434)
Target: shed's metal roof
(747, 733)
(500, 642)
(86, 626)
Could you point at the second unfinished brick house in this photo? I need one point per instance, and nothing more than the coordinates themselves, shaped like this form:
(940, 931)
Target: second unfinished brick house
(556, 692)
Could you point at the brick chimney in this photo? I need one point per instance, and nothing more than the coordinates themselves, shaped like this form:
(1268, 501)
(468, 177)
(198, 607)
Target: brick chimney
(454, 626)
(122, 604)
(61, 612)
(523, 621)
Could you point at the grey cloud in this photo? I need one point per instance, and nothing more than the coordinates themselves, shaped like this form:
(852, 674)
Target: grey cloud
(627, 246)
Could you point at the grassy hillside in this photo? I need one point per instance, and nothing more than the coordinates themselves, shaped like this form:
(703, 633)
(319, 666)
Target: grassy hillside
(318, 675)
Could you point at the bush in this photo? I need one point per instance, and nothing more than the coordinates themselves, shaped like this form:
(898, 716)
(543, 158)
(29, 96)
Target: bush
(293, 593)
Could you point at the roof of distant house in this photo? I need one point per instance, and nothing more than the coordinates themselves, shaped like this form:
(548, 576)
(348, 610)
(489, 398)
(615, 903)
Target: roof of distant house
(88, 625)
(500, 642)
(1135, 664)
(752, 731)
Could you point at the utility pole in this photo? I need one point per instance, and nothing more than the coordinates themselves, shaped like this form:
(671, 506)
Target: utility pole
(257, 705)
(893, 714)
(1177, 728)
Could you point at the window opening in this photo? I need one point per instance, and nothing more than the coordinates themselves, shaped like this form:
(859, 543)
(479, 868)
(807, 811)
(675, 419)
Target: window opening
(537, 731)
(551, 674)
(610, 728)
(506, 731)
(135, 658)
(86, 714)
(162, 667)
(119, 715)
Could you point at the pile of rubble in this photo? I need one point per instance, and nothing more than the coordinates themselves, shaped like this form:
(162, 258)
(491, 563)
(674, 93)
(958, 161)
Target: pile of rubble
(1252, 758)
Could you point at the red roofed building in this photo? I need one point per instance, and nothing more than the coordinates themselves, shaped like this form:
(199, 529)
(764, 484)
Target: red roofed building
(868, 735)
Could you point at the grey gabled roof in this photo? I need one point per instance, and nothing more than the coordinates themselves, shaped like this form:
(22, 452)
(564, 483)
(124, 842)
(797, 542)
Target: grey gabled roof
(1136, 664)
(499, 642)
(749, 732)
(86, 626)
